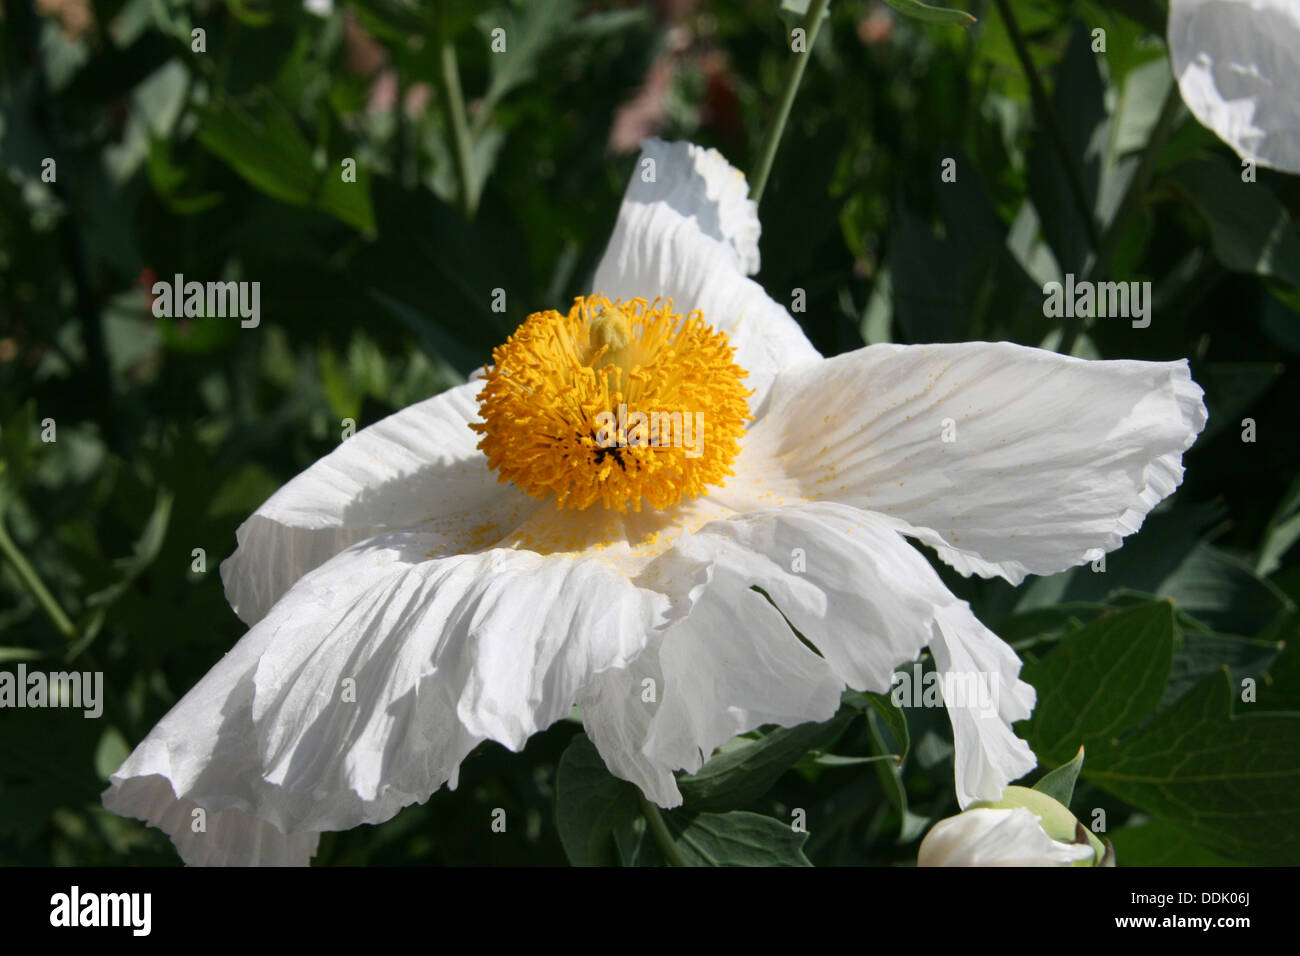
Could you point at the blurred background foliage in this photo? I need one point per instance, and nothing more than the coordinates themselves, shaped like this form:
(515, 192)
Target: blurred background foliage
(225, 164)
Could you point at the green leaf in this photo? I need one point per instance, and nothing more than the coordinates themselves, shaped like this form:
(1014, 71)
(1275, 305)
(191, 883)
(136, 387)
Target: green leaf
(145, 551)
(1223, 591)
(1160, 843)
(1038, 625)
(1231, 388)
(1079, 103)
(110, 753)
(1100, 680)
(746, 772)
(528, 34)
(835, 761)
(986, 293)
(589, 804)
(1230, 782)
(890, 775)
(1200, 654)
(931, 14)
(1250, 229)
(735, 839)
(1283, 531)
(891, 714)
(1059, 783)
(261, 141)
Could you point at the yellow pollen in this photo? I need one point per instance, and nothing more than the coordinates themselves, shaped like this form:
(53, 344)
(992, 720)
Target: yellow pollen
(616, 402)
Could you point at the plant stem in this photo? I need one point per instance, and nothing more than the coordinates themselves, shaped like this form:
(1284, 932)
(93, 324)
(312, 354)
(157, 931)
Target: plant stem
(28, 577)
(655, 823)
(453, 102)
(1043, 111)
(812, 22)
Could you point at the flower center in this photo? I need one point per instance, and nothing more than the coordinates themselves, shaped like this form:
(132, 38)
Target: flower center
(616, 402)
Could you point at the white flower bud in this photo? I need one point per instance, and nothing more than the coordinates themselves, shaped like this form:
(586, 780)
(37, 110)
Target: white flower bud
(1024, 828)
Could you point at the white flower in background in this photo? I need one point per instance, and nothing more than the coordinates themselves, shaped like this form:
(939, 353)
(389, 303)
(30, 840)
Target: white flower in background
(1238, 68)
(1024, 828)
(407, 603)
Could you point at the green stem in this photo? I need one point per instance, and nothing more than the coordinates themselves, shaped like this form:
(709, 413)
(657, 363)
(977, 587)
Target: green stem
(655, 823)
(28, 577)
(812, 22)
(1043, 110)
(453, 102)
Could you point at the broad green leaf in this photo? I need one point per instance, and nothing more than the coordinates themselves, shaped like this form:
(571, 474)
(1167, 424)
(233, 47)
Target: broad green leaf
(1100, 680)
(1040, 625)
(743, 774)
(1252, 232)
(735, 839)
(1200, 654)
(931, 14)
(1223, 591)
(1281, 690)
(261, 141)
(589, 803)
(1170, 560)
(1161, 843)
(1059, 783)
(1232, 783)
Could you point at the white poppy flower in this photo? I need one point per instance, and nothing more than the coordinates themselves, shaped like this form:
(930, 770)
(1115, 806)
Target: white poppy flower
(406, 603)
(1238, 69)
(988, 837)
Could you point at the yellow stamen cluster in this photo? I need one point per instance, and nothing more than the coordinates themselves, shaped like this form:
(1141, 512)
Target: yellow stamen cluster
(553, 395)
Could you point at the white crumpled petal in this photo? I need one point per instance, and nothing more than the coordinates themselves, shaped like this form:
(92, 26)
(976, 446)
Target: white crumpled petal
(729, 667)
(987, 837)
(1053, 460)
(692, 235)
(368, 683)
(984, 697)
(845, 578)
(417, 464)
(209, 838)
(1238, 69)
(864, 597)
